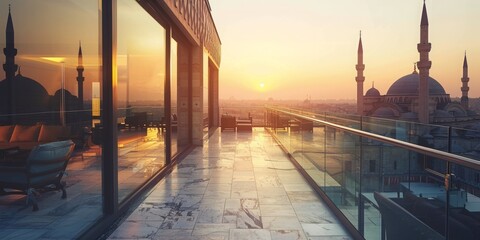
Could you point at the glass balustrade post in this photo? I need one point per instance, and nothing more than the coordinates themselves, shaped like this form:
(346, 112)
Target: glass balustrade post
(361, 210)
(448, 183)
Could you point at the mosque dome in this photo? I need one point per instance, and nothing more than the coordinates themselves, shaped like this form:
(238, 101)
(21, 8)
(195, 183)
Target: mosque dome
(372, 92)
(408, 86)
(28, 95)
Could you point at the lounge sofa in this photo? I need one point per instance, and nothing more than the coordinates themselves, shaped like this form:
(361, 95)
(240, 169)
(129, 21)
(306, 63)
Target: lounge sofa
(43, 168)
(27, 137)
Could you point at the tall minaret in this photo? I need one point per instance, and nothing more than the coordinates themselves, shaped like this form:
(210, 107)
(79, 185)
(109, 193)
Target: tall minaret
(80, 77)
(424, 68)
(465, 79)
(10, 51)
(360, 78)
(10, 67)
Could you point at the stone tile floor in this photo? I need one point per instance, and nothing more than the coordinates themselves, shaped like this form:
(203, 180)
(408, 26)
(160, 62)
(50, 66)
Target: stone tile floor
(238, 186)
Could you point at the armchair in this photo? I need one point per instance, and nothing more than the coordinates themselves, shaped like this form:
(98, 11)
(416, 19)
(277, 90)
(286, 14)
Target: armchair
(44, 166)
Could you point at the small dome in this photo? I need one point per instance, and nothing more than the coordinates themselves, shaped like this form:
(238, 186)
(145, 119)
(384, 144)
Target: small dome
(372, 92)
(409, 116)
(408, 86)
(384, 112)
(442, 114)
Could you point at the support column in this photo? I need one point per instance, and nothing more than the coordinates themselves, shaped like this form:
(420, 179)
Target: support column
(215, 95)
(183, 93)
(197, 95)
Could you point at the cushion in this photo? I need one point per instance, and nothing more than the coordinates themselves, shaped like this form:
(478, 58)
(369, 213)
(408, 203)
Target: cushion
(52, 133)
(5, 133)
(25, 133)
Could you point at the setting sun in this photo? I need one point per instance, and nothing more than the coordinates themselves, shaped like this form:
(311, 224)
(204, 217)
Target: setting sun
(262, 85)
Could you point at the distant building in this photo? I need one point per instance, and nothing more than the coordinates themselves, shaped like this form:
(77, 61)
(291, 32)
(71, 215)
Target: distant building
(416, 96)
(25, 101)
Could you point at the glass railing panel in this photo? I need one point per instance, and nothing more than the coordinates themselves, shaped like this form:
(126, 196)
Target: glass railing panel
(386, 170)
(439, 192)
(383, 189)
(313, 151)
(385, 127)
(341, 166)
(465, 142)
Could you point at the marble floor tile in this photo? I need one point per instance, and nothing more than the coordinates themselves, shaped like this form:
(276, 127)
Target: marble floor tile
(268, 181)
(150, 212)
(249, 218)
(136, 229)
(303, 196)
(288, 235)
(329, 229)
(212, 229)
(250, 234)
(169, 234)
(210, 215)
(281, 223)
(243, 177)
(296, 187)
(215, 203)
(240, 193)
(277, 210)
(249, 203)
(274, 200)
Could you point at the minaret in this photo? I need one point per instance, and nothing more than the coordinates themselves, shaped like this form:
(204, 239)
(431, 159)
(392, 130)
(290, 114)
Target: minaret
(465, 79)
(80, 77)
(10, 51)
(424, 68)
(10, 67)
(360, 78)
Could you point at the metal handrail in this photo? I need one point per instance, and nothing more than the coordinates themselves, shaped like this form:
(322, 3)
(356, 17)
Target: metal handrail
(450, 157)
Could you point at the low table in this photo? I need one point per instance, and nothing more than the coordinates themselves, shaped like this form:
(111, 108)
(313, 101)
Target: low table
(244, 124)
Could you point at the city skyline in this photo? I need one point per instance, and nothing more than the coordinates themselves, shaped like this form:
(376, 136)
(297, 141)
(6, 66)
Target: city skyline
(315, 43)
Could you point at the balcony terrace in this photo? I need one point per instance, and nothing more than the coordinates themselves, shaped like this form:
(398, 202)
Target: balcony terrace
(238, 186)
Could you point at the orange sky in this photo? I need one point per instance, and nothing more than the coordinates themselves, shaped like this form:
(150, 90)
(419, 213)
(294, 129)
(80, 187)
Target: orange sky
(308, 47)
(270, 48)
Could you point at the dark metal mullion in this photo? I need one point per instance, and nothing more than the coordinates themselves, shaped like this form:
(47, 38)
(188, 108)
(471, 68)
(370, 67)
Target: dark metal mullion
(109, 124)
(168, 107)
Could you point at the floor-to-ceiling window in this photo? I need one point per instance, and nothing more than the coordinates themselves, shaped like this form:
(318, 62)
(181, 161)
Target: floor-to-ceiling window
(141, 51)
(49, 92)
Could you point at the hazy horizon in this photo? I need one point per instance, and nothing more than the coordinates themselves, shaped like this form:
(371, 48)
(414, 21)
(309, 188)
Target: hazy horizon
(296, 50)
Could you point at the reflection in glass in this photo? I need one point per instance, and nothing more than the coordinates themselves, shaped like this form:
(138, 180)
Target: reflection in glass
(140, 89)
(174, 97)
(206, 120)
(46, 98)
